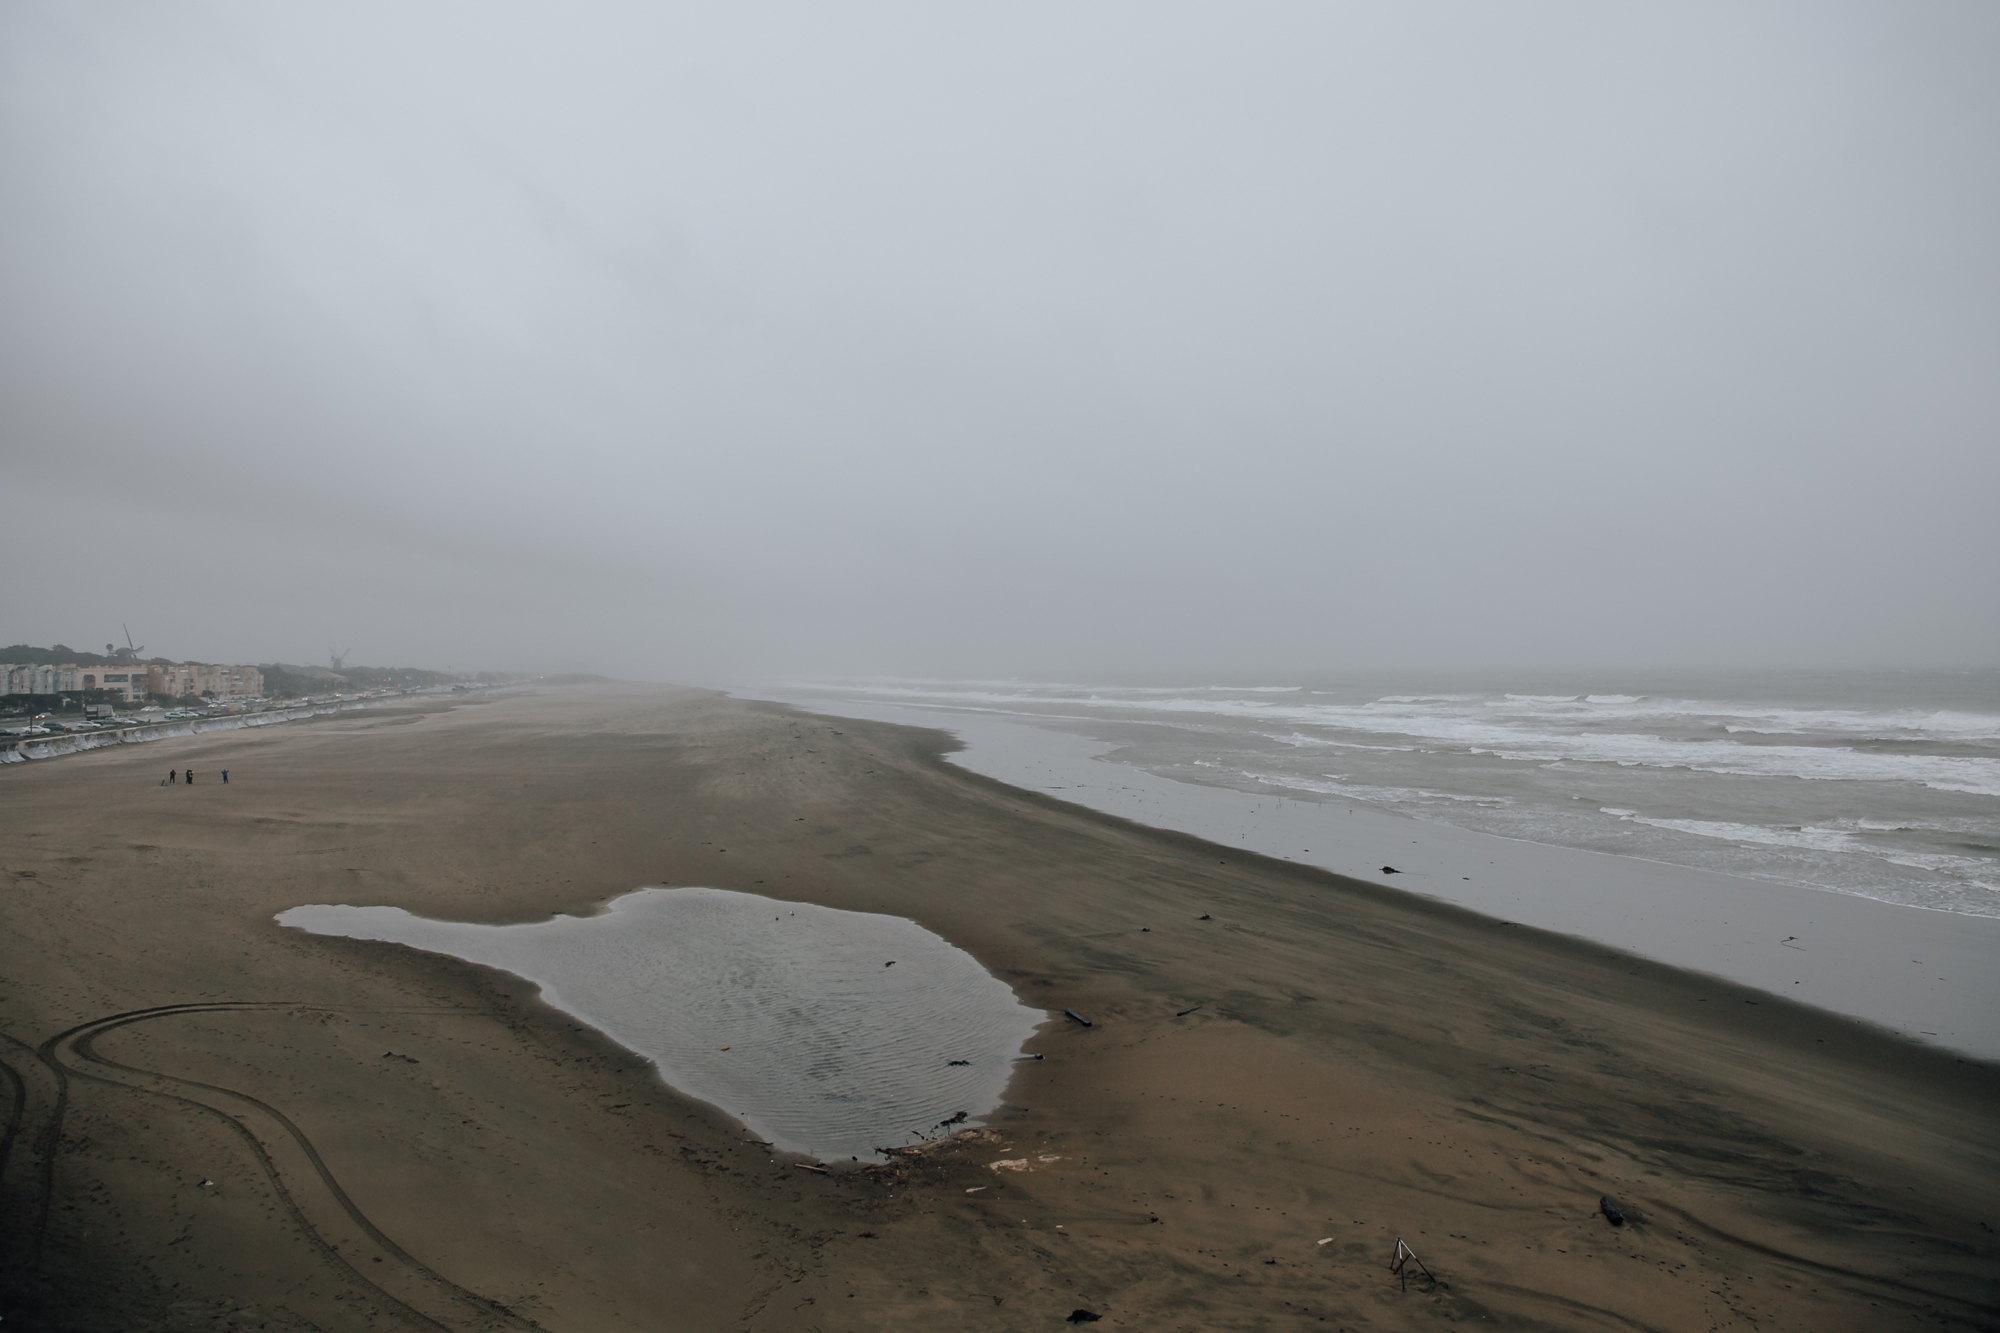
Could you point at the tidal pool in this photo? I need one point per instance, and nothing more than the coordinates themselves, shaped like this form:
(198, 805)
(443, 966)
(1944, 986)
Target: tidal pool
(788, 1016)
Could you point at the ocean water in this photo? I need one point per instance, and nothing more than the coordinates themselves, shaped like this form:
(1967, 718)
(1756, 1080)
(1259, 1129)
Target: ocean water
(786, 1015)
(1880, 785)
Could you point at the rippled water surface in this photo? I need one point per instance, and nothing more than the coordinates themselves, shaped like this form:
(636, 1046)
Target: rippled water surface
(787, 1015)
(1885, 785)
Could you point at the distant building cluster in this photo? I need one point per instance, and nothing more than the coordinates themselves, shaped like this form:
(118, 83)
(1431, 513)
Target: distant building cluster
(134, 682)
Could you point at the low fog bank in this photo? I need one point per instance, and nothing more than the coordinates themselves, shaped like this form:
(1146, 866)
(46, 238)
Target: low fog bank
(685, 345)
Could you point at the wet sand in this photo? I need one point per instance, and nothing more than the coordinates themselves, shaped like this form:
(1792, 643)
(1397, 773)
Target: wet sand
(230, 1124)
(1930, 976)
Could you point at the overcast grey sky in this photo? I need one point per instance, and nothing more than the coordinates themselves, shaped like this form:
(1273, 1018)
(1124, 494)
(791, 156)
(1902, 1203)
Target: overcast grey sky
(700, 342)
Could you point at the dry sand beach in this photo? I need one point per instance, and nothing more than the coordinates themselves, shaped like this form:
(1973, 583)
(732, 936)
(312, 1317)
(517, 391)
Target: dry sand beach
(215, 1122)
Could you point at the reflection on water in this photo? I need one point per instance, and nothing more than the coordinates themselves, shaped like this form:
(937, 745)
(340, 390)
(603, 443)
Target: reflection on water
(787, 1015)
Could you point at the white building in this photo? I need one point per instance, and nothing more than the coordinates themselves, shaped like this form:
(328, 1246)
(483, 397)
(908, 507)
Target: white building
(131, 683)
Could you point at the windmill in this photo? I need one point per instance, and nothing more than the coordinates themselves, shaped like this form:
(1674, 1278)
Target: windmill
(339, 658)
(126, 654)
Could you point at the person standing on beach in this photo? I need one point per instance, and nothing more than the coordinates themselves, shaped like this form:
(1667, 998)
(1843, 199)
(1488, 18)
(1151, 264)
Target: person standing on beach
(225, 777)
(173, 775)
(188, 777)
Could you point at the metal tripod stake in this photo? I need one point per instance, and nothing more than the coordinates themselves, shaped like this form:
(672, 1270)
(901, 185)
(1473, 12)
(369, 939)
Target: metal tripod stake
(1404, 1256)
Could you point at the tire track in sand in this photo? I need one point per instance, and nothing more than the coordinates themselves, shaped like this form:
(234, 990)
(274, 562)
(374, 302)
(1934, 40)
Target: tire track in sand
(341, 1233)
(17, 1104)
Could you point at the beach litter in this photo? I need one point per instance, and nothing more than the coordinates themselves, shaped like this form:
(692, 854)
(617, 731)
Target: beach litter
(1324, 1240)
(1610, 1211)
(1078, 1017)
(820, 1169)
(1082, 1316)
(1185, 1012)
(1391, 870)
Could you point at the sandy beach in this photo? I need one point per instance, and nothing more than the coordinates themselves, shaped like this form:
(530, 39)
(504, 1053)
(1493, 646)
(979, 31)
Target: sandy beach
(219, 1123)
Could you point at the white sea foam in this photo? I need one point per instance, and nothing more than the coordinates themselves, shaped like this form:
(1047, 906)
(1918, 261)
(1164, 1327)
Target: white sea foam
(1525, 735)
(1971, 775)
(1336, 785)
(1578, 767)
(1970, 866)
(1816, 839)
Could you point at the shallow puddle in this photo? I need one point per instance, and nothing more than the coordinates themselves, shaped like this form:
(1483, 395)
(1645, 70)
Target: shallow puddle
(787, 1015)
